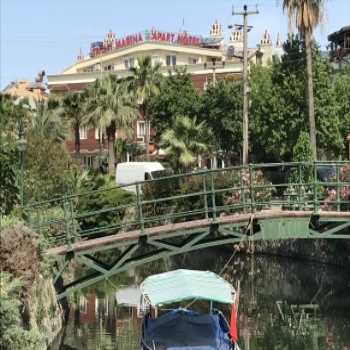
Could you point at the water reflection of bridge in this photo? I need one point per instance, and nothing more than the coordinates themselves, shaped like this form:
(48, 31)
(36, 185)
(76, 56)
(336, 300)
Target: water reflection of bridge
(187, 212)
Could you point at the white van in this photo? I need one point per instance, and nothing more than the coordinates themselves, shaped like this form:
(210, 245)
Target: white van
(130, 172)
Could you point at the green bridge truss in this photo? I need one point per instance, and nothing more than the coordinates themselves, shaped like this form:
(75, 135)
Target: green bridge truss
(182, 213)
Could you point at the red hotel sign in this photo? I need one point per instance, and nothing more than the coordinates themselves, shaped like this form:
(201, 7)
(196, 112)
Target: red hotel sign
(147, 36)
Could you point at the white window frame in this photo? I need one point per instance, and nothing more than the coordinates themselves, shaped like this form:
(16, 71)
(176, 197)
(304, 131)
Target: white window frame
(83, 132)
(172, 60)
(156, 59)
(126, 64)
(140, 131)
(98, 133)
(193, 60)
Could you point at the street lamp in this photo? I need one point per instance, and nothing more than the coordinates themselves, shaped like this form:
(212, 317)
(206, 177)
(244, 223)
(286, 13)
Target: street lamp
(22, 146)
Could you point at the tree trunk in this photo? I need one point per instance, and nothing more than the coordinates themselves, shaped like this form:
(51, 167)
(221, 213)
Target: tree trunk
(111, 140)
(310, 92)
(147, 139)
(147, 129)
(77, 139)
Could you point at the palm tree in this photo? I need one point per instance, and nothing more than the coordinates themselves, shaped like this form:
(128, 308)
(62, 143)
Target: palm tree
(73, 110)
(307, 14)
(145, 83)
(185, 141)
(110, 107)
(47, 122)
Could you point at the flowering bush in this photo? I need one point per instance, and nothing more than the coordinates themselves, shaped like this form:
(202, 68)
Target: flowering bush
(344, 192)
(255, 189)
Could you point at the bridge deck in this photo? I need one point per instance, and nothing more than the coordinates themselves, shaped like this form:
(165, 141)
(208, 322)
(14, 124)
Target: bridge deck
(135, 235)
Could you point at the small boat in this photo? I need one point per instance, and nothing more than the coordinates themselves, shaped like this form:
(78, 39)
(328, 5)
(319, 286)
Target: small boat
(183, 328)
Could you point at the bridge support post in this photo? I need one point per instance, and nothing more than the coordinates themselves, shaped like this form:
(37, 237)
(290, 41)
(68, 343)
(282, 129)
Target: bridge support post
(315, 188)
(213, 199)
(205, 196)
(338, 187)
(242, 189)
(139, 206)
(300, 175)
(69, 220)
(251, 188)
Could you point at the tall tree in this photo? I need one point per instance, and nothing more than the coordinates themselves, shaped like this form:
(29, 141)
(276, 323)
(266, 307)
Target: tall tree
(307, 15)
(185, 141)
(342, 95)
(73, 109)
(221, 109)
(47, 122)
(145, 83)
(178, 97)
(279, 110)
(111, 107)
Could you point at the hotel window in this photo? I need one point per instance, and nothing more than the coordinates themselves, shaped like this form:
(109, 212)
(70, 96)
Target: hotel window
(98, 133)
(192, 60)
(156, 59)
(83, 133)
(109, 67)
(96, 68)
(129, 63)
(126, 64)
(141, 128)
(82, 304)
(88, 161)
(171, 60)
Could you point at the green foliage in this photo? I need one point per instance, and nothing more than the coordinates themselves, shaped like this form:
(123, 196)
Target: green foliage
(145, 82)
(49, 171)
(279, 110)
(110, 107)
(178, 97)
(9, 191)
(73, 109)
(221, 109)
(111, 198)
(47, 122)
(342, 96)
(9, 156)
(329, 122)
(185, 141)
(12, 335)
(302, 150)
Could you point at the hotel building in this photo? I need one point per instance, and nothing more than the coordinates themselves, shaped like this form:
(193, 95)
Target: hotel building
(206, 59)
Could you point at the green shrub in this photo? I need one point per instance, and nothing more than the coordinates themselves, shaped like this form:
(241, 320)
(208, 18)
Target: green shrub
(110, 197)
(12, 336)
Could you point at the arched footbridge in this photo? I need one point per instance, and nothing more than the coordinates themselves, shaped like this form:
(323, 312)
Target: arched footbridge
(177, 214)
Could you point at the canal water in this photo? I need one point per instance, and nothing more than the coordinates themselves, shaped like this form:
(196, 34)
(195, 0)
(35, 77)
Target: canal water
(284, 304)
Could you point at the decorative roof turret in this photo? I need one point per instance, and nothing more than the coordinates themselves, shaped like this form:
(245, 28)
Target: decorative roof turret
(279, 43)
(266, 39)
(80, 56)
(236, 35)
(109, 40)
(216, 30)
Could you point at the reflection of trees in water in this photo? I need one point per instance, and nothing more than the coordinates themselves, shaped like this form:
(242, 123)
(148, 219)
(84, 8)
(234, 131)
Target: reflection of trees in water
(267, 280)
(264, 281)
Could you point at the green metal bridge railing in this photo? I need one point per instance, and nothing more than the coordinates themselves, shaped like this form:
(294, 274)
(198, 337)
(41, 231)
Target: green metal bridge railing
(209, 194)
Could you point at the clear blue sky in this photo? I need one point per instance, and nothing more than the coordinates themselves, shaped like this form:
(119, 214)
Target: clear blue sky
(47, 34)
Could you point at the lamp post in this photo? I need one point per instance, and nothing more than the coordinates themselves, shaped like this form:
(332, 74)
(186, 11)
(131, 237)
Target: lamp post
(22, 146)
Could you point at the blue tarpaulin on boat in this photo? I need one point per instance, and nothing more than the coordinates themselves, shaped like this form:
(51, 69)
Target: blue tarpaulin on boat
(186, 330)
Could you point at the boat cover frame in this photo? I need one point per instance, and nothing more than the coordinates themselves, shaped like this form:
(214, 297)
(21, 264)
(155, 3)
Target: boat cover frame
(175, 286)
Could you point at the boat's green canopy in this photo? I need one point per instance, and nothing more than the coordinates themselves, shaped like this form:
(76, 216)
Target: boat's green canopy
(174, 286)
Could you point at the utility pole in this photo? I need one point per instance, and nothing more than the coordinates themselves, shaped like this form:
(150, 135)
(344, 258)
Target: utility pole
(245, 15)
